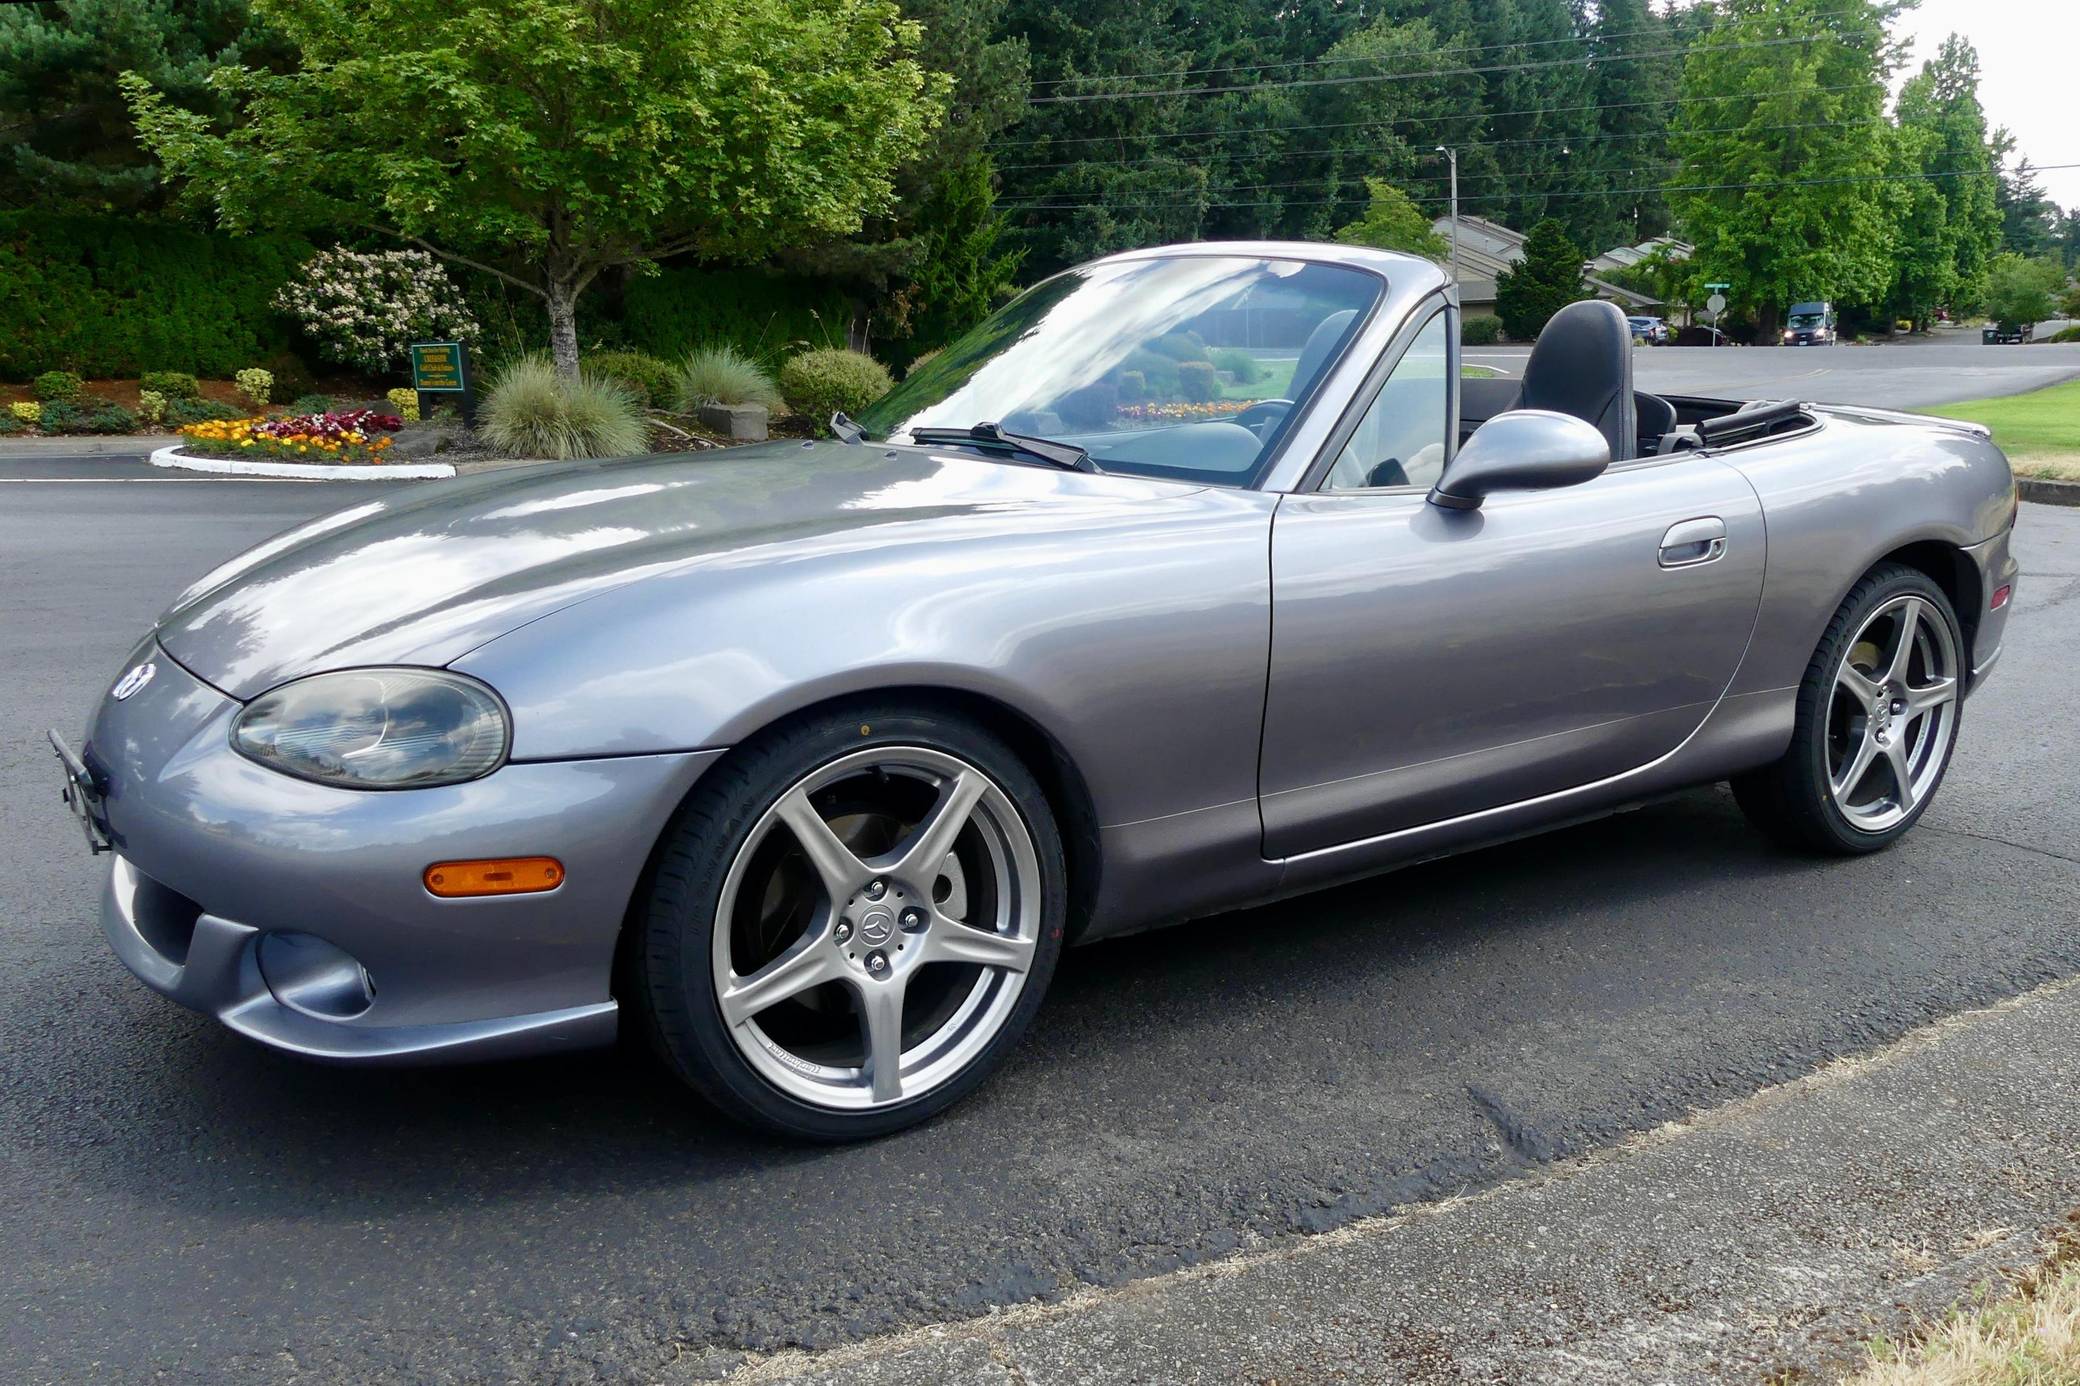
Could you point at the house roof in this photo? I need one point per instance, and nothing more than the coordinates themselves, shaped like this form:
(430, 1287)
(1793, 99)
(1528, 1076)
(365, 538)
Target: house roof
(1487, 248)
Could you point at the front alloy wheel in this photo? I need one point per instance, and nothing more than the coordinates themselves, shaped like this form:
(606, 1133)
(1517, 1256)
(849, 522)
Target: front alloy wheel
(884, 918)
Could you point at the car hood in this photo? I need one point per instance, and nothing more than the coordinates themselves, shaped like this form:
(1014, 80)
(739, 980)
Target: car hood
(426, 576)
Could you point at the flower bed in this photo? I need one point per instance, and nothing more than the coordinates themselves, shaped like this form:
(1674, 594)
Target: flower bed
(1180, 409)
(359, 436)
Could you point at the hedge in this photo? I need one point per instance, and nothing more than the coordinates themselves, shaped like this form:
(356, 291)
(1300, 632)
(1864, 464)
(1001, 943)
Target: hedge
(672, 312)
(117, 296)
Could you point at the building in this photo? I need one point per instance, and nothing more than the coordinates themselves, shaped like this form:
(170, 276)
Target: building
(1487, 248)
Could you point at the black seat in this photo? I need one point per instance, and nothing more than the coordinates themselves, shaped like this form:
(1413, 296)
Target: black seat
(1582, 365)
(1656, 417)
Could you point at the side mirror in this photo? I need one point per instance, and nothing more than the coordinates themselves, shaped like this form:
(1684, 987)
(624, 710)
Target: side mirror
(1522, 450)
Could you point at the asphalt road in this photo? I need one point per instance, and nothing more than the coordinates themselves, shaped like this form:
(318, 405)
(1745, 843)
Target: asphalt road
(176, 1203)
(1914, 374)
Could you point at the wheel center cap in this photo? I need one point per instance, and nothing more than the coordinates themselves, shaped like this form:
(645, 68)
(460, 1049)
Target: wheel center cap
(876, 926)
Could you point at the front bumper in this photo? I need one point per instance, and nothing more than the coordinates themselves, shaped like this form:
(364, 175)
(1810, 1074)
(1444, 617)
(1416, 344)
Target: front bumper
(296, 913)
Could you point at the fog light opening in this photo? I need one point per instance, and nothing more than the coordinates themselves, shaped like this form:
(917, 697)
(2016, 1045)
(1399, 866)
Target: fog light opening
(309, 975)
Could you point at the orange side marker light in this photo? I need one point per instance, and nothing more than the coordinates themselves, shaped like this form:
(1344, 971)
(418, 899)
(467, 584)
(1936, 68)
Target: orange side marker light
(497, 876)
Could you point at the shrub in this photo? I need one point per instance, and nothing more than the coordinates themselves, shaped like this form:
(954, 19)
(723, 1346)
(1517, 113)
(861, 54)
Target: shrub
(182, 412)
(1482, 329)
(291, 376)
(365, 308)
(255, 385)
(530, 411)
(113, 296)
(26, 411)
(151, 407)
(1198, 381)
(1158, 372)
(1180, 346)
(58, 385)
(61, 416)
(678, 310)
(1237, 363)
(2064, 334)
(923, 358)
(313, 404)
(405, 400)
(653, 381)
(172, 384)
(1132, 385)
(109, 418)
(823, 382)
(724, 375)
(10, 425)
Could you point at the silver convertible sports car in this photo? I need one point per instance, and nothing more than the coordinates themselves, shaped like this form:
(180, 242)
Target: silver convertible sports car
(1191, 578)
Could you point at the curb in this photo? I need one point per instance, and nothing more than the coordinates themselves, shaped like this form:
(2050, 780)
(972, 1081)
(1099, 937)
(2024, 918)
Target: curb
(2045, 491)
(304, 471)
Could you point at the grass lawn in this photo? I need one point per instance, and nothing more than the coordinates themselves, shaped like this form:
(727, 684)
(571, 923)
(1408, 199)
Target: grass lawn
(2040, 431)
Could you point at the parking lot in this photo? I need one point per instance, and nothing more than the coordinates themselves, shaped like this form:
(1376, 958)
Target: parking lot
(185, 1204)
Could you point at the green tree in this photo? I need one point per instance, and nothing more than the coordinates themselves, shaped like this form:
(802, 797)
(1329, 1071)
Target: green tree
(2028, 218)
(1786, 154)
(546, 141)
(1392, 222)
(65, 132)
(2022, 290)
(1547, 279)
(1950, 223)
(963, 270)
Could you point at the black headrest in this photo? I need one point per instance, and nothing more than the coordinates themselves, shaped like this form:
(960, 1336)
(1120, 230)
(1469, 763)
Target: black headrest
(1582, 365)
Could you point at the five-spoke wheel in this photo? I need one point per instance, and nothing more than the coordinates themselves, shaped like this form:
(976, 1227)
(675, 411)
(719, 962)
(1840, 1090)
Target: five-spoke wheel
(1877, 718)
(879, 929)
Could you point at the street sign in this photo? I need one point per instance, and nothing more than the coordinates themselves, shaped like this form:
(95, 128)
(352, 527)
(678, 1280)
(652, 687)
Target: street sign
(1718, 286)
(437, 368)
(442, 369)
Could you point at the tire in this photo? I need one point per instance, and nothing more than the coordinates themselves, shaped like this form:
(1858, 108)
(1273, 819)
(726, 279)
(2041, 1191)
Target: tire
(1802, 800)
(772, 996)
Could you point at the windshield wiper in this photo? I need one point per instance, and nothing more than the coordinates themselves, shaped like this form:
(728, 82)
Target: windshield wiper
(1068, 456)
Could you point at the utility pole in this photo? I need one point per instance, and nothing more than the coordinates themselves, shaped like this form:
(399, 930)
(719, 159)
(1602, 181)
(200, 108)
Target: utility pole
(1453, 155)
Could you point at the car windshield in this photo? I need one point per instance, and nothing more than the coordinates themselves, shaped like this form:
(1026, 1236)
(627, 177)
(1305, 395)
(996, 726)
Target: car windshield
(1808, 319)
(1185, 366)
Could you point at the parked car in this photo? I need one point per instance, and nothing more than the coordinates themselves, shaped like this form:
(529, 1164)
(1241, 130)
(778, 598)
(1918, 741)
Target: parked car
(2003, 333)
(1811, 324)
(1653, 331)
(805, 760)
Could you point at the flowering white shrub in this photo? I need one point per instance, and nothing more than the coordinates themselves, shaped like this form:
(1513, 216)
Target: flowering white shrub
(364, 309)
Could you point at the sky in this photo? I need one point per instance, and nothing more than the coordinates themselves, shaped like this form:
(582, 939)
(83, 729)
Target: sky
(2027, 51)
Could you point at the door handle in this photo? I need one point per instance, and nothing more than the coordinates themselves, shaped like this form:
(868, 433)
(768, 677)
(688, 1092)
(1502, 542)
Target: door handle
(1692, 542)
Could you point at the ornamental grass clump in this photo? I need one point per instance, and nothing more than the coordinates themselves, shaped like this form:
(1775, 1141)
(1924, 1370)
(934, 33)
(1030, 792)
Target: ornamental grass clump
(724, 375)
(530, 411)
(832, 380)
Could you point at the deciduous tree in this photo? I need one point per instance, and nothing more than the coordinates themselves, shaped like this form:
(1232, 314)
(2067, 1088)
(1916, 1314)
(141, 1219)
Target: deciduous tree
(1786, 159)
(546, 141)
(1392, 222)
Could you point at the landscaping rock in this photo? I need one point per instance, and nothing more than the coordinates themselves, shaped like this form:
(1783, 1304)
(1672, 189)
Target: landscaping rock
(420, 441)
(740, 423)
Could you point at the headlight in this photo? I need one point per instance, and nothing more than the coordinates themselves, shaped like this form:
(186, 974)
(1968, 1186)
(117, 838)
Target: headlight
(376, 729)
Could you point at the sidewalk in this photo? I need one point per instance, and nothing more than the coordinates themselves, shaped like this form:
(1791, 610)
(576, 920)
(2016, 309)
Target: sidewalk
(1761, 1240)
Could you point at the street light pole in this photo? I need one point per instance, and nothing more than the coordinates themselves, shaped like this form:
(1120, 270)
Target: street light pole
(1453, 156)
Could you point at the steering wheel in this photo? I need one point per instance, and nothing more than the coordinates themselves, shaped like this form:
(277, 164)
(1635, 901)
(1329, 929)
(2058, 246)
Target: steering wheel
(1263, 413)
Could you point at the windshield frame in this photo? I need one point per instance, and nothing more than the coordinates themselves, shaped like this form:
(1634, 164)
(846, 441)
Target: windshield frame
(1277, 445)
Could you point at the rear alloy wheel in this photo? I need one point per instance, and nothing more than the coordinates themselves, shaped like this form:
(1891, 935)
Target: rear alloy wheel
(881, 927)
(1877, 720)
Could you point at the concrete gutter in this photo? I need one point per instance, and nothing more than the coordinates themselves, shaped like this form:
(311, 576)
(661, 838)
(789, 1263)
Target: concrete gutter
(1761, 1240)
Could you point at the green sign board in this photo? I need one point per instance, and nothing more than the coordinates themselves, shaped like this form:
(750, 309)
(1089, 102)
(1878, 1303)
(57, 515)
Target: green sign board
(437, 368)
(1718, 286)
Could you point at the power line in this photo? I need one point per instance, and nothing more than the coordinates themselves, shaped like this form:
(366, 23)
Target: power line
(1582, 38)
(1407, 76)
(1432, 179)
(1404, 120)
(1596, 192)
(1664, 133)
